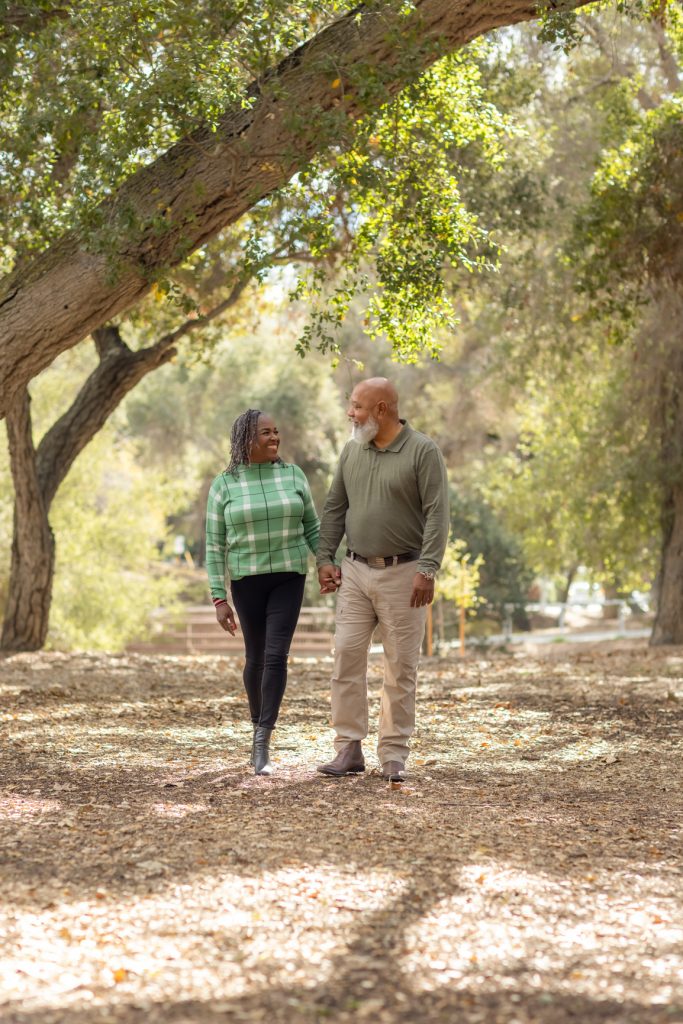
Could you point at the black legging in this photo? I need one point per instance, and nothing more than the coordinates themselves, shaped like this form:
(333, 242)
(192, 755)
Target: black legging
(268, 609)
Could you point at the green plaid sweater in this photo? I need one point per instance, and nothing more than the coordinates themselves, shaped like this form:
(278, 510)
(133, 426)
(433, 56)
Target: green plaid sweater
(263, 518)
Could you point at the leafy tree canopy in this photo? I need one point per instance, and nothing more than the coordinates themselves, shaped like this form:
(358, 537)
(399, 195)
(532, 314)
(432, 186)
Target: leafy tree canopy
(94, 91)
(628, 240)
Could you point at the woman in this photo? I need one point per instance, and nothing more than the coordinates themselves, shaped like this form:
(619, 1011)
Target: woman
(261, 513)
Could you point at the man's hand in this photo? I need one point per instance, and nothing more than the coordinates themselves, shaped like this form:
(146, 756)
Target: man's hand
(329, 578)
(423, 591)
(226, 618)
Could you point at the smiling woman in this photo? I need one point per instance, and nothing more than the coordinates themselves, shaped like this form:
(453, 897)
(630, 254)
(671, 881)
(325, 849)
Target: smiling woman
(261, 525)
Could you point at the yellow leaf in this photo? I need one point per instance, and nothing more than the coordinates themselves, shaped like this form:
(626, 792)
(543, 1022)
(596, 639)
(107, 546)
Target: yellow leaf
(120, 974)
(336, 83)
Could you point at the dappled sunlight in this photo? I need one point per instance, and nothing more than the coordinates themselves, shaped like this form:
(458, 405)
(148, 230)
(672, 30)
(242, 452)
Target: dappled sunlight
(176, 810)
(525, 930)
(531, 859)
(222, 935)
(23, 808)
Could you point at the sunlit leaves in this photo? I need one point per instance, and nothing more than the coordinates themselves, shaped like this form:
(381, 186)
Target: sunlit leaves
(92, 94)
(395, 199)
(458, 579)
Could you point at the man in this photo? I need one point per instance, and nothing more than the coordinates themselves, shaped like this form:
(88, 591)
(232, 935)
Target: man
(390, 496)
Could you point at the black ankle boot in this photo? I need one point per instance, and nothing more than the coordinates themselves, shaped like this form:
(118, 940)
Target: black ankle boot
(251, 756)
(262, 765)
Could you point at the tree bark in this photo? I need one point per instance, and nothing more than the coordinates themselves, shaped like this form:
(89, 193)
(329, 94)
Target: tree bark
(33, 546)
(668, 625)
(568, 580)
(117, 373)
(209, 180)
(38, 473)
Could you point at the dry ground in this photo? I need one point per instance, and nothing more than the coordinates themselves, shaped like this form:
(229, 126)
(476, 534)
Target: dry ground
(529, 871)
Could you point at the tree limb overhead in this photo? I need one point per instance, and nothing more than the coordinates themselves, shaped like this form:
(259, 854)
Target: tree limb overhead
(211, 179)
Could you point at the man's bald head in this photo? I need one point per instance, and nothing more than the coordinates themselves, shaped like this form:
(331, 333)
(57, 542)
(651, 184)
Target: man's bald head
(373, 410)
(379, 389)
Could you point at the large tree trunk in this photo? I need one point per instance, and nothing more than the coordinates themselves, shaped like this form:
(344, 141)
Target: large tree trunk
(209, 180)
(37, 475)
(33, 546)
(668, 626)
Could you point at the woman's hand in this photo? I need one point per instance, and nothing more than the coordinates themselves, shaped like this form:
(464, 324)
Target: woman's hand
(226, 618)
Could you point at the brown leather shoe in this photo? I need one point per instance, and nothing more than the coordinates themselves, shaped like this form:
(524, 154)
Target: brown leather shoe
(349, 761)
(393, 771)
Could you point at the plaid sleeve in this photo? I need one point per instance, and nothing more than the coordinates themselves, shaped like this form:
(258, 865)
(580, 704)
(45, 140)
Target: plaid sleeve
(311, 523)
(215, 538)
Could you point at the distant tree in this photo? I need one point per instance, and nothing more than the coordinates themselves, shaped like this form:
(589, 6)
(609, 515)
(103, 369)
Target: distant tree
(586, 319)
(629, 245)
(458, 582)
(504, 577)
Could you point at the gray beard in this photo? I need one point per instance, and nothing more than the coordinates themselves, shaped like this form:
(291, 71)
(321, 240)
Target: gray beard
(366, 433)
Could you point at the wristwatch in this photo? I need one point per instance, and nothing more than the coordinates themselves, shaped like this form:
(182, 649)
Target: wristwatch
(429, 573)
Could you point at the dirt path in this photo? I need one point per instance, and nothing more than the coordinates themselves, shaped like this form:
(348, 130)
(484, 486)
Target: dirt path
(530, 871)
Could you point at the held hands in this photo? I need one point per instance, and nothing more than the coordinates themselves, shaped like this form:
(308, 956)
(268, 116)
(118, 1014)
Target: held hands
(329, 578)
(423, 591)
(226, 618)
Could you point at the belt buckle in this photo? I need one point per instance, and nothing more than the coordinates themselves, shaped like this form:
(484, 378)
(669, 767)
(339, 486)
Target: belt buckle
(376, 562)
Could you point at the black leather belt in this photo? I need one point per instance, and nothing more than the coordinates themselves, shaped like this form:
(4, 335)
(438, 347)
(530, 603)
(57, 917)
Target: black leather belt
(384, 561)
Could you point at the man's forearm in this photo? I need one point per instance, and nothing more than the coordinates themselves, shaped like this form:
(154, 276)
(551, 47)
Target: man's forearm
(333, 520)
(331, 532)
(437, 516)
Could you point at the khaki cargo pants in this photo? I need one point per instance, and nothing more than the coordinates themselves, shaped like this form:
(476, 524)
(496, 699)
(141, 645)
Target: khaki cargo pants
(368, 598)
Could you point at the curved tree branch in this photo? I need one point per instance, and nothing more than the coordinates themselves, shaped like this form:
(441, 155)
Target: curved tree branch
(119, 370)
(211, 179)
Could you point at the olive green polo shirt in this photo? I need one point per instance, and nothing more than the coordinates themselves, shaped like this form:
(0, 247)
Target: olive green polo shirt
(388, 501)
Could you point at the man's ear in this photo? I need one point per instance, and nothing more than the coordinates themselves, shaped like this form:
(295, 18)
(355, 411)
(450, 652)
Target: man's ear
(381, 408)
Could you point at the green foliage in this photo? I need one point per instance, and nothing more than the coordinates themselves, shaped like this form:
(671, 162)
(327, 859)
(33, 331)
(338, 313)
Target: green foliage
(403, 213)
(110, 524)
(582, 482)
(581, 486)
(458, 579)
(560, 29)
(135, 77)
(504, 578)
(109, 518)
(629, 237)
(93, 91)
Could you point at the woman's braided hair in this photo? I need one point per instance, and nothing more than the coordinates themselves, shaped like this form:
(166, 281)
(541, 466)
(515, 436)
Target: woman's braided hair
(242, 434)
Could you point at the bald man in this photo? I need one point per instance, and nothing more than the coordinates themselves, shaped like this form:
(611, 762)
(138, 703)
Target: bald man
(389, 497)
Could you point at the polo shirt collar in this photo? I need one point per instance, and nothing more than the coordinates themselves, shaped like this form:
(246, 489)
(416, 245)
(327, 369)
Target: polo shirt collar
(398, 441)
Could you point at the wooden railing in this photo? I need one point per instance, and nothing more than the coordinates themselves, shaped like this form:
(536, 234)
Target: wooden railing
(196, 631)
